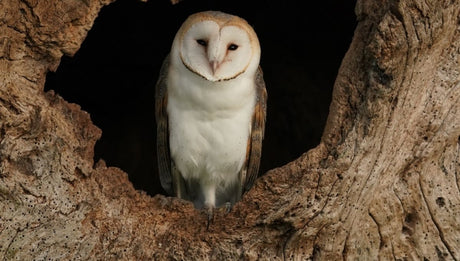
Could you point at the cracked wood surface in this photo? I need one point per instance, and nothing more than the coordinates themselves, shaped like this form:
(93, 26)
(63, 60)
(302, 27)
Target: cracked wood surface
(382, 184)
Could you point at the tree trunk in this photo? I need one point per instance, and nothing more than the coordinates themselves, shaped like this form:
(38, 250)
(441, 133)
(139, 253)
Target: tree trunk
(382, 184)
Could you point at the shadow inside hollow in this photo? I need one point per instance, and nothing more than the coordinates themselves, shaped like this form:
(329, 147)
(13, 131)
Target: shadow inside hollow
(114, 73)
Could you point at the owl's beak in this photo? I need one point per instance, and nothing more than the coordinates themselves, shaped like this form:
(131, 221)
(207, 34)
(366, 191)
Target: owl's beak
(214, 65)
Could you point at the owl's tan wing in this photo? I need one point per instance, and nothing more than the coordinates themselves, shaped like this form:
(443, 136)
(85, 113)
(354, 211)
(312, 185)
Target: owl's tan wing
(163, 156)
(254, 151)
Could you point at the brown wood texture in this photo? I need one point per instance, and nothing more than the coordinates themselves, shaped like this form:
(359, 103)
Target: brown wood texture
(382, 184)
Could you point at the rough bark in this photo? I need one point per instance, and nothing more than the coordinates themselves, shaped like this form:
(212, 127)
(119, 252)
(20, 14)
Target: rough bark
(382, 184)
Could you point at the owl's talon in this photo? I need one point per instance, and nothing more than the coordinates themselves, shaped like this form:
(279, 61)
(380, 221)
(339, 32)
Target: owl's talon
(210, 216)
(228, 207)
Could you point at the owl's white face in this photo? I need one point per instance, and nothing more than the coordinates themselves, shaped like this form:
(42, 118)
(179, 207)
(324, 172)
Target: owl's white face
(215, 52)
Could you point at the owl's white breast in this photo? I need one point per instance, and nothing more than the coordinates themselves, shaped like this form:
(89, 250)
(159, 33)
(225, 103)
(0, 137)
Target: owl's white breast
(209, 125)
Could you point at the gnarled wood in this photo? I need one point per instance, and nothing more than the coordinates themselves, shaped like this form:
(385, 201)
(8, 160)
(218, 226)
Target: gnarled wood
(383, 182)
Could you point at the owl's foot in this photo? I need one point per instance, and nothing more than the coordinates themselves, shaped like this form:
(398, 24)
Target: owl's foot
(228, 207)
(210, 213)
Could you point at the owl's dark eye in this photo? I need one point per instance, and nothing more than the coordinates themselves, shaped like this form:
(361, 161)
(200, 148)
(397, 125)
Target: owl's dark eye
(232, 47)
(202, 42)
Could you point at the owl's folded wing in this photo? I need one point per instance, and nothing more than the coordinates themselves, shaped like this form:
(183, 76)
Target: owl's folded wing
(163, 156)
(257, 133)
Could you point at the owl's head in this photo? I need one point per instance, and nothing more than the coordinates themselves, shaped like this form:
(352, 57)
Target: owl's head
(217, 46)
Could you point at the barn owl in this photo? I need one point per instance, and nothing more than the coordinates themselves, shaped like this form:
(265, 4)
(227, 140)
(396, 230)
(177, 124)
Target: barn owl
(210, 110)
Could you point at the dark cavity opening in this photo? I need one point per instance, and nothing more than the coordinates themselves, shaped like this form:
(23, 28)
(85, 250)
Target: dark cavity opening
(113, 75)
